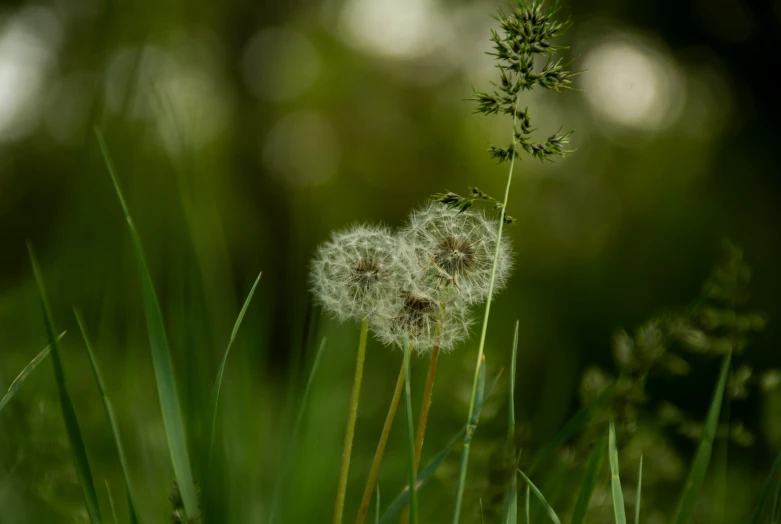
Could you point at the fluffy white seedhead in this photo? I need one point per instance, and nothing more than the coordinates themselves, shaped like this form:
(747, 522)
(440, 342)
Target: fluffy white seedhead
(357, 273)
(424, 319)
(456, 248)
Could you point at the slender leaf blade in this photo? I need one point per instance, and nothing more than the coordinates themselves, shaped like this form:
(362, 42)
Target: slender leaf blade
(618, 496)
(66, 404)
(701, 460)
(296, 429)
(20, 378)
(589, 482)
(540, 497)
(377, 507)
(764, 494)
(215, 395)
(161, 359)
(639, 490)
(511, 498)
(402, 500)
(112, 419)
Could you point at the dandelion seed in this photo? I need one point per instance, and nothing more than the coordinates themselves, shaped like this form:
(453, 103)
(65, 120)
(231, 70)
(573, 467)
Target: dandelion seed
(357, 273)
(456, 248)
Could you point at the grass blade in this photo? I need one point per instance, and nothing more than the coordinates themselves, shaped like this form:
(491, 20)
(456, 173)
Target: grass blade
(410, 437)
(571, 428)
(17, 383)
(540, 497)
(528, 504)
(215, 395)
(511, 498)
(402, 500)
(112, 420)
(773, 477)
(377, 507)
(294, 437)
(702, 458)
(111, 503)
(161, 359)
(66, 404)
(639, 490)
(589, 481)
(618, 496)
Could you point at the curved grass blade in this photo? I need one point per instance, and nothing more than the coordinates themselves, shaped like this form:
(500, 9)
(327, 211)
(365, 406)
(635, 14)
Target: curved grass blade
(575, 424)
(111, 503)
(66, 404)
(112, 419)
(540, 497)
(702, 458)
(589, 482)
(618, 496)
(294, 437)
(511, 498)
(215, 395)
(17, 383)
(764, 495)
(161, 359)
(402, 500)
(639, 490)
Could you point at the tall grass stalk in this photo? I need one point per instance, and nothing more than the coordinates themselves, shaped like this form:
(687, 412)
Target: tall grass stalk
(699, 467)
(72, 429)
(112, 419)
(425, 407)
(17, 383)
(410, 437)
(341, 490)
(378, 454)
(639, 490)
(161, 358)
(511, 501)
(618, 495)
(294, 437)
(483, 332)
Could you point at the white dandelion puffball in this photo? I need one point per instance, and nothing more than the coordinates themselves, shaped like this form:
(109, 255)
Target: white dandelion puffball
(457, 248)
(358, 272)
(423, 320)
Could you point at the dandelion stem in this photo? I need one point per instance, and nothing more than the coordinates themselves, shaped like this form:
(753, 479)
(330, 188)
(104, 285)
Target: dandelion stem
(410, 437)
(425, 406)
(481, 347)
(341, 490)
(375, 469)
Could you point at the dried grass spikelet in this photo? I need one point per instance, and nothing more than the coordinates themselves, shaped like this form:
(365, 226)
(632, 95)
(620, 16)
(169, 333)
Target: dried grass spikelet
(457, 248)
(357, 273)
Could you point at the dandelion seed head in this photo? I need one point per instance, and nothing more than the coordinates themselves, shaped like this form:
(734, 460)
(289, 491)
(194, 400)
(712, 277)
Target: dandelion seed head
(457, 248)
(358, 272)
(423, 317)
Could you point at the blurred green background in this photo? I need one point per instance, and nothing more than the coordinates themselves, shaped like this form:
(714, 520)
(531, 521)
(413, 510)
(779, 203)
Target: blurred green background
(244, 132)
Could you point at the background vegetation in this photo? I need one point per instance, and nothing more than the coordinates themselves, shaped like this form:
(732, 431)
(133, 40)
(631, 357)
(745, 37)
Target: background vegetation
(243, 133)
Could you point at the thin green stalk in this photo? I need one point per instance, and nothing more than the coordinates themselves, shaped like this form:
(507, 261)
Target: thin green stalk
(410, 437)
(72, 429)
(111, 503)
(112, 419)
(551, 513)
(512, 496)
(483, 332)
(377, 507)
(618, 496)
(425, 407)
(173, 420)
(294, 437)
(341, 490)
(378, 454)
(215, 396)
(589, 481)
(17, 383)
(639, 490)
(528, 504)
